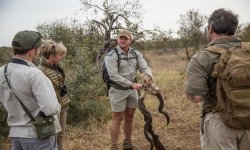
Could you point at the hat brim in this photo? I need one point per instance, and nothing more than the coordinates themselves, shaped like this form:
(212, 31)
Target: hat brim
(125, 36)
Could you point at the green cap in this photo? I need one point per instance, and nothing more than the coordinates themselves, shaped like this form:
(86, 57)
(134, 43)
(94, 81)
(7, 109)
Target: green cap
(26, 40)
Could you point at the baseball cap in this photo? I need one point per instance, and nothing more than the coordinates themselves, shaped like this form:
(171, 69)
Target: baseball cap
(26, 40)
(125, 33)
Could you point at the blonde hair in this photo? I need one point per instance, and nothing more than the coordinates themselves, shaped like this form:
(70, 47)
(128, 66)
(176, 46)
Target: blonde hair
(51, 48)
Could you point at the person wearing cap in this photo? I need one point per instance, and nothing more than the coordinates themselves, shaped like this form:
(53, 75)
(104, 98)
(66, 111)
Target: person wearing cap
(52, 54)
(34, 90)
(123, 93)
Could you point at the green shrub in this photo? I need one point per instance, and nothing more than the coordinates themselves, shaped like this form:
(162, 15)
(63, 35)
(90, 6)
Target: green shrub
(4, 129)
(5, 55)
(89, 111)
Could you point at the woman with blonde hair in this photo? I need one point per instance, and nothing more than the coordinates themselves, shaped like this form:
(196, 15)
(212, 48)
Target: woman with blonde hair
(52, 54)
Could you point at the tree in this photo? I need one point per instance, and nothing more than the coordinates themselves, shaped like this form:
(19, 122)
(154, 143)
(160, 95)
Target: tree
(110, 16)
(81, 72)
(190, 31)
(243, 32)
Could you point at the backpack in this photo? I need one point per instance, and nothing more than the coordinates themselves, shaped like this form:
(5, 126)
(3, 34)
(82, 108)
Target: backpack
(105, 75)
(233, 85)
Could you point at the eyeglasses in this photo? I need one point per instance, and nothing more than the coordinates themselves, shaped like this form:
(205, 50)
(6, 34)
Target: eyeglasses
(40, 36)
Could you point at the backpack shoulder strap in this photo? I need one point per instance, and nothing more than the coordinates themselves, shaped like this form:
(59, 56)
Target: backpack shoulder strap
(115, 50)
(118, 56)
(135, 55)
(22, 104)
(215, 49)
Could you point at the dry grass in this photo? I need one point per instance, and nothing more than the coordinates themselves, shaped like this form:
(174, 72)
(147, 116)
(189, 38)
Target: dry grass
(181, 134)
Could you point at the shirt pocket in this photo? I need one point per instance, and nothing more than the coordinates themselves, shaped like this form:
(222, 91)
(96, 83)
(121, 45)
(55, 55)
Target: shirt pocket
(124, 66)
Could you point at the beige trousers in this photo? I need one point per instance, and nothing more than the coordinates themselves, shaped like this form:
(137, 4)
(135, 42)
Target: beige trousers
(62, 118)
(217, 136)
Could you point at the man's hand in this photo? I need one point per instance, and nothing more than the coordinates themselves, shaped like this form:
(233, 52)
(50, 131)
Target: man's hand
(136, 86)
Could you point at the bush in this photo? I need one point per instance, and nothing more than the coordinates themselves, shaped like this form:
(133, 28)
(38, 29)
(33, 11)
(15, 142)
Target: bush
(4, 129)
(5, 55)
(89, 111)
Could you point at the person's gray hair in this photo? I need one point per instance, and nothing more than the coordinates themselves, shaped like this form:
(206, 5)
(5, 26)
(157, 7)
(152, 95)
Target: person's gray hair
(223, 21)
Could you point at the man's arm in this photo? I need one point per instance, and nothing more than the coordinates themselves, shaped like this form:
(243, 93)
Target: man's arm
(44, 92)
(142, 64)
(197, 76)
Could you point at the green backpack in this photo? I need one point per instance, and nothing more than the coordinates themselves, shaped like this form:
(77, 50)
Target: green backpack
(233, 85)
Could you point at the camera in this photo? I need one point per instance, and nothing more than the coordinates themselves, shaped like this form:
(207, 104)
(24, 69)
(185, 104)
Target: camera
(63, 90)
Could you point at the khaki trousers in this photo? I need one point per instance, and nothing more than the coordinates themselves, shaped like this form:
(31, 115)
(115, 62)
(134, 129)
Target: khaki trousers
(217, 136)
(62, 118)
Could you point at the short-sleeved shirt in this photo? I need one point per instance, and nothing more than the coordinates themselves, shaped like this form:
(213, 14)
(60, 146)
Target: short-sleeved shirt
(125, 74)
(199, 70)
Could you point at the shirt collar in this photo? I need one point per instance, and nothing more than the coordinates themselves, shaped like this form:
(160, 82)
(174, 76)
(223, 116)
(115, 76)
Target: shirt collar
(121, 51)
(31, 64)
(230, 39)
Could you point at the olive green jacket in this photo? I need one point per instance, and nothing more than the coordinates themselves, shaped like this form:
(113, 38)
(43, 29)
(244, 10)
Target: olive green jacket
(199, 80)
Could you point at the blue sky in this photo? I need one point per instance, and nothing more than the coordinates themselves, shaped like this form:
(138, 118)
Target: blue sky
(17, 15)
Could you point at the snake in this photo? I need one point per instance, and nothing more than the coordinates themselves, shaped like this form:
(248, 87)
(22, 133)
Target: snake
(150, 87)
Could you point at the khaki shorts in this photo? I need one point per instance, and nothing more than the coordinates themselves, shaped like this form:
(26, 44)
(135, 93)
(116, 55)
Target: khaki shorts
(122, 99)
(217, 136)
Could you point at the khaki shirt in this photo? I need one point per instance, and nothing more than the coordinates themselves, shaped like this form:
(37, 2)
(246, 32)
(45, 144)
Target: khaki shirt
(199, 80)
(126, 73)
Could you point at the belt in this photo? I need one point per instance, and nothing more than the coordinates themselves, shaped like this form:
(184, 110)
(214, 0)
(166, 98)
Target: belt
(119, 87)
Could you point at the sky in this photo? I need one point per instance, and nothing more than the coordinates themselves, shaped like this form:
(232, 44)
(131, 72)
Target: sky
(17, 15)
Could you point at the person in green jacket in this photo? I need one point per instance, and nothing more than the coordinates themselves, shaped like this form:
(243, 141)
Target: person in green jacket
(201, 86)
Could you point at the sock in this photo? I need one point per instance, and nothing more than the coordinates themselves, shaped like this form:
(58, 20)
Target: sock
(114, 147)
(127, 143)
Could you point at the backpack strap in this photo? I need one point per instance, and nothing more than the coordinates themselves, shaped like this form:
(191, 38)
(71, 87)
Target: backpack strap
(19, 61)
(22, 104)
(217, 67)
(135, 55)
(119, 59)
(215, 49)
(118, 56)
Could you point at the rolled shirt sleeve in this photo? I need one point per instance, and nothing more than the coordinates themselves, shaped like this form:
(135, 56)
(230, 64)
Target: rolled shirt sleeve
(143, 66)
(197, 75)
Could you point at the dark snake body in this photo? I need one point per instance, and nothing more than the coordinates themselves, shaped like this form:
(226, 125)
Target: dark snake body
(151, 137)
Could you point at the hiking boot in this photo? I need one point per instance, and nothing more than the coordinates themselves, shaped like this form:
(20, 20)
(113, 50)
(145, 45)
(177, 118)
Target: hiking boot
(114, 147)
(128, 145)
(132, 148)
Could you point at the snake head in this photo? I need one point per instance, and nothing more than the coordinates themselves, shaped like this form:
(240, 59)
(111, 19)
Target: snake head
(149, 85)
(146, 78)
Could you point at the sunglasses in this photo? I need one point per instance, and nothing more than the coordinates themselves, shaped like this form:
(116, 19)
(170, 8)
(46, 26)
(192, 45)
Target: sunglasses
(40, 36)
